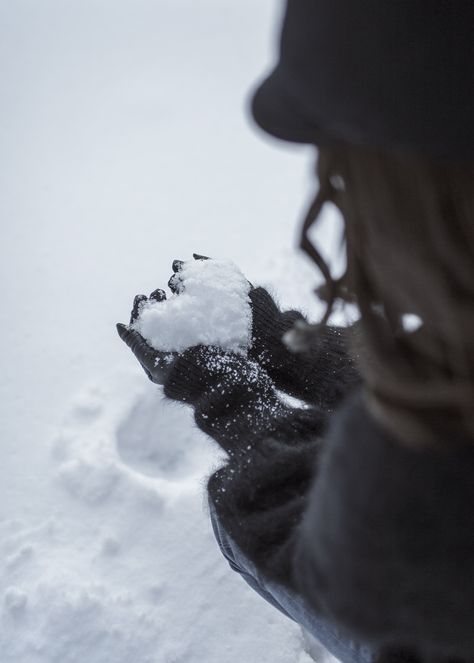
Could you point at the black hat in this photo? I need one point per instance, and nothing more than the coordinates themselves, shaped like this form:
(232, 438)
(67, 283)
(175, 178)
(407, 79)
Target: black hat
(381, 73)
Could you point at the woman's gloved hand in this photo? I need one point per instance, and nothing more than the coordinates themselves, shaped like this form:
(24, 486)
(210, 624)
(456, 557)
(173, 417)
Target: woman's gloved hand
(322, 374)
(268, 322)
(156, 364)
(268, 326)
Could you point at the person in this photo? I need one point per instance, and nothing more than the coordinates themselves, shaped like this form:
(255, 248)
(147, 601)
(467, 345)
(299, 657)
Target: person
(354, 515)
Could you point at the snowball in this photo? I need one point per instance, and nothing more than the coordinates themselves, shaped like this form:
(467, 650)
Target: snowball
(213, 308)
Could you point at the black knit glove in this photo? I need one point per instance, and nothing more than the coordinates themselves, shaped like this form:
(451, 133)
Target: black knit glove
(233, 397)
(322, 374)
(267, 330)
(269, 325)
(156, 364)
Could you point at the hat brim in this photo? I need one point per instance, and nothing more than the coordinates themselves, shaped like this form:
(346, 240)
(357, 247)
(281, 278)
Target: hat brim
(278, 113)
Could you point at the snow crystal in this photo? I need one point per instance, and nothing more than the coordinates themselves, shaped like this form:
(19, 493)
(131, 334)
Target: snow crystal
(212, 308)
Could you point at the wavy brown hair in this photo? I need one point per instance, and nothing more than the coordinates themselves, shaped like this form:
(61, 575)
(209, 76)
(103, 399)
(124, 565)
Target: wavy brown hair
(409, 237)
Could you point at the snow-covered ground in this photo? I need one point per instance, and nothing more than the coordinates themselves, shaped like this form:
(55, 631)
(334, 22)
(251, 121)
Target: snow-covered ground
(124, 143)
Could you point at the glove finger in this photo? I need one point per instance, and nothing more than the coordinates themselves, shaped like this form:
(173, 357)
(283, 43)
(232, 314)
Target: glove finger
(175, 284)
(261, 298)
(155, 364)
(158, 295)
(137, 344)
(137, 304)
(177, 265)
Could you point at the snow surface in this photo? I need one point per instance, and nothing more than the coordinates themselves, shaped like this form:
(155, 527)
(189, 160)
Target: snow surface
(124, 144)
(211, 307)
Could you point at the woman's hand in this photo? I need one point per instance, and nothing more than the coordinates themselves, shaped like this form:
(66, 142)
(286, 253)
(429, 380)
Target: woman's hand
(268, 323)
(156, 364)
(268, 326)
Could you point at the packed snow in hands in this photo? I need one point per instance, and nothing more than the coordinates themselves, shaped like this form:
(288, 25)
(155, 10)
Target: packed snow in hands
(211, 307)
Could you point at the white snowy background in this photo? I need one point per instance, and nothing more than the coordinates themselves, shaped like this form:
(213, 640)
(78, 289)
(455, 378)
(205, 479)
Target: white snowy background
(124, 143)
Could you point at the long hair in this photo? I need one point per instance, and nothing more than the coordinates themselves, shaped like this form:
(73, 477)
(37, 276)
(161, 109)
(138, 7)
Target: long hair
(409, 237)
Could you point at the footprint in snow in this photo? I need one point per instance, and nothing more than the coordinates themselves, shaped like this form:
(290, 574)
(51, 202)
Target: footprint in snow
(159, 439)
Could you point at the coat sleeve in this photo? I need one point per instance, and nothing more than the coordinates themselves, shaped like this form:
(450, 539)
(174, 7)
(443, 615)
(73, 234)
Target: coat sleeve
(378, 537)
